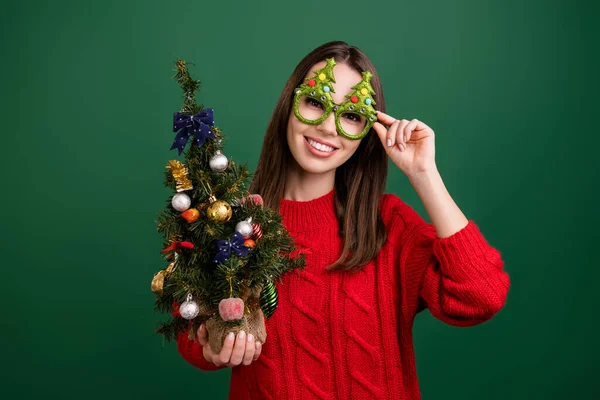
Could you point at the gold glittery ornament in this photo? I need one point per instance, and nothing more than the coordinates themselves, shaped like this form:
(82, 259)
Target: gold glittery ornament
(181, 66)
(159, 279)
(218, 211)
(180, 173)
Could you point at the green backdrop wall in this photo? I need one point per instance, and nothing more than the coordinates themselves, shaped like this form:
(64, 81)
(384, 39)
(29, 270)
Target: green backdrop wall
(510, 88)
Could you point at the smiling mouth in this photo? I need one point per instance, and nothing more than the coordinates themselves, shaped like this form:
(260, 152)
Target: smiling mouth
(319, 146)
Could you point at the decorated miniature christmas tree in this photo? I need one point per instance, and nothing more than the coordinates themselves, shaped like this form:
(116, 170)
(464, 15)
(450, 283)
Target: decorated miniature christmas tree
(224, 249)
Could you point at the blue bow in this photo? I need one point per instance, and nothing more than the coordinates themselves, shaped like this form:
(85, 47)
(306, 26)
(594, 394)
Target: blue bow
(197, 125)
(224, 248)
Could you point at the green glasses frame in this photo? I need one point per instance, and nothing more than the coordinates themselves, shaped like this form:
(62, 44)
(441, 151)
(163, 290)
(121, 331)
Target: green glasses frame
(359, 102)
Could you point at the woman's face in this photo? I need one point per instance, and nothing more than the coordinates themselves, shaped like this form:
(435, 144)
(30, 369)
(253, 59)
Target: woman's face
(319, 148)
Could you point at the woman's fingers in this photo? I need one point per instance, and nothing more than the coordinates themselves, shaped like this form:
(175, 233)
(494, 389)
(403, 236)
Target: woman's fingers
(391, 133)
(411, 126)
(387, 136)
(208, 353)
(225, 355)
(202, 335)
(394, 135)
(400, 137)
(385, 119)
(250, 350)
(237, 355)
(257, 350)
(400, 134)
(381, 132)
(242, 349)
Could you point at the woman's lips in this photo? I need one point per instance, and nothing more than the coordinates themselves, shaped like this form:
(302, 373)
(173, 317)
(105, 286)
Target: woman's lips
(317, 152)
(321, 141)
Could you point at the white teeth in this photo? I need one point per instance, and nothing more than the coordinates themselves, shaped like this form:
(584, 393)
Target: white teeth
(320, 146)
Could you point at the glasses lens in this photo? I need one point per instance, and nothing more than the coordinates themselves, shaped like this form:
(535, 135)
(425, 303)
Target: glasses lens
(353, 124)
(311, 108)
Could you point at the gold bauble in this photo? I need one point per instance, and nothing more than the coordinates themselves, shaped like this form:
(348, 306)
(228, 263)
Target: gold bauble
(219, 211)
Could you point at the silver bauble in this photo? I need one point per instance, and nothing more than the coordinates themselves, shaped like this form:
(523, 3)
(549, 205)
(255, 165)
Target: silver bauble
(245, 228)
(189, 309)
(218, 162)
(181, 202)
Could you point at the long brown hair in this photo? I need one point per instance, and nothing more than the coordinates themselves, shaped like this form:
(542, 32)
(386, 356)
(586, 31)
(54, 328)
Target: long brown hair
(359, 182)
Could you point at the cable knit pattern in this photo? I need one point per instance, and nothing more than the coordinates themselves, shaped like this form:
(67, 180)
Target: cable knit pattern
(343, 335)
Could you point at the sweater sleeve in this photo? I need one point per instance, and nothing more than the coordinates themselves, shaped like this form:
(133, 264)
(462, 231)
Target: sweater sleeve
(191, 351)
(460, 278)
(463, 282)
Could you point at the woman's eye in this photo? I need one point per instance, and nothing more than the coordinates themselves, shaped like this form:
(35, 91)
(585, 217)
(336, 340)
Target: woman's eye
(314, 103)
(352, 117)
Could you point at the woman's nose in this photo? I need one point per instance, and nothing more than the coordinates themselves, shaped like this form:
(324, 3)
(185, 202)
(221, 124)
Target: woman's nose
(328, 126)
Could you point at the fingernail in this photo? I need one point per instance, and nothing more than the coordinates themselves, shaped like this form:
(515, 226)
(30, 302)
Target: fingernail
(250, 337)
(242, 335)
(401, 147)
(405, 138)
(230, 336)
(389, 142)
(202, 327)
(257, 346)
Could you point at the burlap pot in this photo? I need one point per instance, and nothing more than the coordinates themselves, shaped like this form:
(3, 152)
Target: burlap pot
(253, 322)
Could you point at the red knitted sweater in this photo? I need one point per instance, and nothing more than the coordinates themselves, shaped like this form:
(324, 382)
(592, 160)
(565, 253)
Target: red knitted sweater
(342, 335)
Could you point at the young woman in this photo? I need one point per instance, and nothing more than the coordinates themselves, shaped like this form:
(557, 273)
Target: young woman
(343, 326)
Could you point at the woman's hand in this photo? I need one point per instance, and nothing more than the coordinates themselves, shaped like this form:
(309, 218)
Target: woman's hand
(235, 351)
(410, 144)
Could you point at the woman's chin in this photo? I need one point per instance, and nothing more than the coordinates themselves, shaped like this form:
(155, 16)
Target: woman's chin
(316, 166)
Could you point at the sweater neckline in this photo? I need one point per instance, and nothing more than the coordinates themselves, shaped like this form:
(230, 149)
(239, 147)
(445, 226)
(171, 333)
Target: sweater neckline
(305, 215)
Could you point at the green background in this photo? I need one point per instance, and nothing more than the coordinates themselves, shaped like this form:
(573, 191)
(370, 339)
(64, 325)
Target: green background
(509, 87)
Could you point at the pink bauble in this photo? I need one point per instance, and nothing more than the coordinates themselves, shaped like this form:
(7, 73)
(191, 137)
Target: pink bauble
(255, 198)
(231, 309)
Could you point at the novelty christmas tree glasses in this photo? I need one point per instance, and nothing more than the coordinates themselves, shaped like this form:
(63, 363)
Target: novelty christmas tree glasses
(353, 118)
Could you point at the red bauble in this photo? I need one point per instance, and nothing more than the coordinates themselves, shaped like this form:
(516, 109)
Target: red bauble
(190, 215)
(250, 243)
(354, 99)
(256, 231)
(312, 83)
(231, 309)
